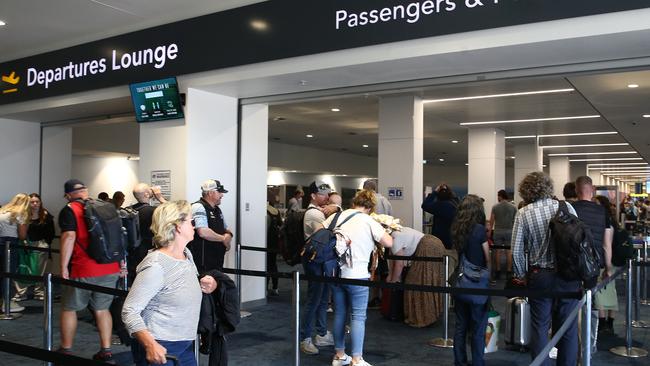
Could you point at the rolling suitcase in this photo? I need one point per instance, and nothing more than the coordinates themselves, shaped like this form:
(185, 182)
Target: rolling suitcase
(392, 304)
(517, 330)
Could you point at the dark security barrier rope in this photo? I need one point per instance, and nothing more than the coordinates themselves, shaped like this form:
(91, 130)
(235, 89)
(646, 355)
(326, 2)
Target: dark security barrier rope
(56, 279)
(27, 247)
(48, 356)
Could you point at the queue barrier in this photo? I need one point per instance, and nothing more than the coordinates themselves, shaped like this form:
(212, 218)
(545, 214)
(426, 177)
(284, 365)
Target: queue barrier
(47, 355)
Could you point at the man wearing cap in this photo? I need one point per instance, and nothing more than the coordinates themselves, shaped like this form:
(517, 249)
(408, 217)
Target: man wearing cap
(78, 266)
(317, 292)
(211, 235)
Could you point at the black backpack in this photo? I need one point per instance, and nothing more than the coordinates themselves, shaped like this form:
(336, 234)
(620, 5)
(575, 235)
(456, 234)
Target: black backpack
(622, 248)
(575, 256)
(131, 223)
(321, 246)
(293, 236)
(106, 236)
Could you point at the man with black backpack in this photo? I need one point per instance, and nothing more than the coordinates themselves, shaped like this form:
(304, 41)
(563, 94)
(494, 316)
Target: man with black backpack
(78, 264)
(531, 235)
(143, 193)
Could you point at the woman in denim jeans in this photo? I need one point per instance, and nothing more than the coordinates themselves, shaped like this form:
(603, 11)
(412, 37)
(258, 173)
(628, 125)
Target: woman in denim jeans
(470, 239)
(362, 232)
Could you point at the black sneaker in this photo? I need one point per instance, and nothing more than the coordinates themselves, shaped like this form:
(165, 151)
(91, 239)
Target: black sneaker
(104, 356)
(374, 303)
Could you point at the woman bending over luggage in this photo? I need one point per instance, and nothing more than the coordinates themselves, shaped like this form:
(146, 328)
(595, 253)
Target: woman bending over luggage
(470, 240)
(13, 228)
(162, 308)
(362, 232)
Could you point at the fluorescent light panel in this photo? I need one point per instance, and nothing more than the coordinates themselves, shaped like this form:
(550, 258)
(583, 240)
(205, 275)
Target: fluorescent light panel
(500, 95)
(585, 145)
(594, 153)
(563, 135)
(591, 166)
(605, 159)
(529, 120)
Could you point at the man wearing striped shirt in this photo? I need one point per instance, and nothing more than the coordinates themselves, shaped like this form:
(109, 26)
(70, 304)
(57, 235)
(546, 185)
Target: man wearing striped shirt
(529, 235)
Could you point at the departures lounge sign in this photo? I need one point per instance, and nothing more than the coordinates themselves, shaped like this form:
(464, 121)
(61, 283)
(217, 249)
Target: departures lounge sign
(270, 30)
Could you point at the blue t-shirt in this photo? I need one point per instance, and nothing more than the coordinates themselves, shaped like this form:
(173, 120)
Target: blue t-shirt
(474, 247)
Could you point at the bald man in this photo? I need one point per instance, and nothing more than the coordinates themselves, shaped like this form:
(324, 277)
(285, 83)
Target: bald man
(143, 193)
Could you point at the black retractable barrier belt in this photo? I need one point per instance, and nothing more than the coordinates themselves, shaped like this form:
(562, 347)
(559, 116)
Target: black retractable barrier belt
(508, 247)
(423, 288)
(18, 276)
(257, 249)
(87, 286)
(608, 280)
(44, 355)
(642, 264)
(27, 247)
(420, 259)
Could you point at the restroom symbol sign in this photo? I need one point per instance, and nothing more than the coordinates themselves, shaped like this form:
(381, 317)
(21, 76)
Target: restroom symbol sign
(395, 193)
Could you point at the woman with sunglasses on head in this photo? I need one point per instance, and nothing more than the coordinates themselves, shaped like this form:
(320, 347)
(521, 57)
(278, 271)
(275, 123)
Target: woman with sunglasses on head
(13, 228)
(163, 305)
(40, 234)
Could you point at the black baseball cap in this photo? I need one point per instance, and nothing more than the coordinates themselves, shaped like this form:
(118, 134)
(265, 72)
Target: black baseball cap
(73, 185)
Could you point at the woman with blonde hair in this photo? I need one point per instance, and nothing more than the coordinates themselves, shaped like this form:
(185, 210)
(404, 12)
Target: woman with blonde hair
(361, 232)
(13, 228)
(163, 305)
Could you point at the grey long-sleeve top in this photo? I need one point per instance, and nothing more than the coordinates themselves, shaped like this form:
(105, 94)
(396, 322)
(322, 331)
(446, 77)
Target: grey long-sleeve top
(165, 298)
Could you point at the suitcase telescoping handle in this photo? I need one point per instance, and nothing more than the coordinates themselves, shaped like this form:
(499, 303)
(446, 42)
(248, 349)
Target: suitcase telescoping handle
(174, 359)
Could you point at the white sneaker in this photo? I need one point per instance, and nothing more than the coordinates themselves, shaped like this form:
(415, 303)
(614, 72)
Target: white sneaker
(552, 354)
(361, 362)
(14, 307)
(306, 346)
(326, 340)
(344, 361)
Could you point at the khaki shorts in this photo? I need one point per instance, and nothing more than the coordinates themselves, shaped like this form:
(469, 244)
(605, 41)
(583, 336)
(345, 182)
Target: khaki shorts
(76, 299)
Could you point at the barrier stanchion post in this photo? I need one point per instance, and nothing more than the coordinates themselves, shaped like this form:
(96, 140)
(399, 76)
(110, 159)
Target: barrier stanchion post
(197, 343)
(295, 304)
(47, 315)
(644, 282)
(637, 322)
(628, 350)
(444, 342)
(7, 282)
(586, 330)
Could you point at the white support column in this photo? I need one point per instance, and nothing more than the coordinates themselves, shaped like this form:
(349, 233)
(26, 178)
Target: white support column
(560, 170)
(528, 158)
(57, 168)
(400, 155)
(595, 176)
(487, 164)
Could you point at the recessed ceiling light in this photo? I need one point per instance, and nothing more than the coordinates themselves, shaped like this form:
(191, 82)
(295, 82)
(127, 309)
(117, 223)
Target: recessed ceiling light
(595, 153)
(259, 25)
(336, 110)
(441, 159)
(364, 145)
(632, 86)
(499, 95)
(309, 136)
(529, 120)
(303, 82)
(584, 145)
(277, 119)
(543, 165)
(2, 23)
(454, 141)
(609, 159)
(466, 164)
(511, 157)
(424, 161)
(646, 116)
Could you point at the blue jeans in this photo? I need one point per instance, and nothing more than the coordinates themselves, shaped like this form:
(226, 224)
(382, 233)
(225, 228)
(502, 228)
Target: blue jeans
(14, 263)
(352, 299)
(474, 317)
(545, 312)
(317, 297)
(184, 350)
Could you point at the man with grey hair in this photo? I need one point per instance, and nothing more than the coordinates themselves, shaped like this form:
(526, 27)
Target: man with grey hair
(383, 205)
(211, 235)
(529, 235)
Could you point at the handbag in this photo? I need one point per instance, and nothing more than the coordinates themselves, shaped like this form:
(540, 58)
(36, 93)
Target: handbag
(469, 275)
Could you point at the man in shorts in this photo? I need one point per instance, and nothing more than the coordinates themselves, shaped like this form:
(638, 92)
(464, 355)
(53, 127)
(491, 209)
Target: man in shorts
(76, 265)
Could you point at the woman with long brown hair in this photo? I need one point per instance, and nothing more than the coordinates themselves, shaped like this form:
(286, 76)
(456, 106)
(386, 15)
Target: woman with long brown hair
(40, 234)
(13, 227)
(469, 237)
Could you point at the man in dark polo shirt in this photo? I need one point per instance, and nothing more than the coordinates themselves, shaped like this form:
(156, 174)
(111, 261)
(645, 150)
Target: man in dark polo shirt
(211, 235)
(76, 265)
(595, 218)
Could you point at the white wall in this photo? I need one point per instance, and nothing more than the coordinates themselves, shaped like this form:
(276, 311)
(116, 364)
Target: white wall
(19, 158)
(112, 137)
(106, 174)
(253, 197)
(302, 158)
(57, 166)
(163, 147)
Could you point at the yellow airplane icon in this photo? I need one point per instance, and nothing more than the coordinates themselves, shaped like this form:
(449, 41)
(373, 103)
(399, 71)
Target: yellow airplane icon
(11, 79)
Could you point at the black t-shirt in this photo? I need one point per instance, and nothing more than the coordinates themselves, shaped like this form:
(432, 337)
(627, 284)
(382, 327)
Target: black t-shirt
(595, 217)
(474, 247)
(145, 216)
(67, 221)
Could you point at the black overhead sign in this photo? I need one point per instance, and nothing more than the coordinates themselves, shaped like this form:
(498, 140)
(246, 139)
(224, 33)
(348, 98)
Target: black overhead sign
(270, 30)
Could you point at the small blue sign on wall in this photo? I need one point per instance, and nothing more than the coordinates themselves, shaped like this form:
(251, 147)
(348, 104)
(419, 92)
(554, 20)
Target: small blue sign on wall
(395, 193)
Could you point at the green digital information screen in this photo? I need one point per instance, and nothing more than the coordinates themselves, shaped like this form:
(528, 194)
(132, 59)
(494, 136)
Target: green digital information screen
(156, 100)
